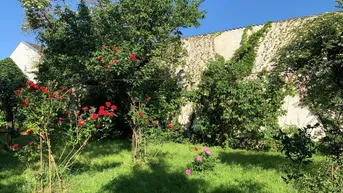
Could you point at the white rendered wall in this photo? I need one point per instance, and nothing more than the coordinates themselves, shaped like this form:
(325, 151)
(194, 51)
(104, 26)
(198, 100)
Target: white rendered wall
(26, 57)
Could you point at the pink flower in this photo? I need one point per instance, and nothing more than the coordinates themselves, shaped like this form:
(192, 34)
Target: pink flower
(108, 104)
(198, 159)
(205, 149)
(188, 172)
(208, 152)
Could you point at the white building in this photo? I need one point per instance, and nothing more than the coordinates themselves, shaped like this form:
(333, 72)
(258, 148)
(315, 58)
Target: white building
(26, 56)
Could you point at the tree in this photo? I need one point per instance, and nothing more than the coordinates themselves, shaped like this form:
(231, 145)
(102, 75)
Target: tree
(11, 77)
(150, 30)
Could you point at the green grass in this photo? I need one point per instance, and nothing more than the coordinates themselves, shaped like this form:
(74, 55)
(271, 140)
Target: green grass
(106, 167)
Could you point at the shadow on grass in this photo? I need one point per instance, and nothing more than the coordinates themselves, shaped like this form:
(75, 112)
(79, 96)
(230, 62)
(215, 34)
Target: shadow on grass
(10, 167)
(79, 168)
(255, 159)
(242, 187)
(106, 147)
(158, 179)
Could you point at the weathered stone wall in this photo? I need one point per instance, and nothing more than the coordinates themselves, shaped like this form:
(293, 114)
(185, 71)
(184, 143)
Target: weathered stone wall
(204, 47)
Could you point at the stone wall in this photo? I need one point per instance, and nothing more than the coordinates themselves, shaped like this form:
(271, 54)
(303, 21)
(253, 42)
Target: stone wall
(204, 47)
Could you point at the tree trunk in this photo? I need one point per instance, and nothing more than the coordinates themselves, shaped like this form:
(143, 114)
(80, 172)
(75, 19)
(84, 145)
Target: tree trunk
(9, 124)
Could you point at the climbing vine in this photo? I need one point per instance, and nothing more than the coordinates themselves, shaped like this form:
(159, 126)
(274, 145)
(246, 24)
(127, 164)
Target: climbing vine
(232, 109)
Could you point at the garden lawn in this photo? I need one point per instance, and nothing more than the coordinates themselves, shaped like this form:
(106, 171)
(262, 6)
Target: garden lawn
(106, 166)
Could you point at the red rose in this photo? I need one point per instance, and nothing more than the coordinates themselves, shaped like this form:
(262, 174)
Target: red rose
(169, 126)
(60, 99)
(24, 104)
(103, 47)
(59, 91)
(81, 122)
(113, 107)
(69, 91)
(114, 47)
(52, 96)
(29, 132)
(147, 99)
(196, 148)
(43, 89)
(107, 66)
(108, 104)
(31, 143)
(105, 113)
(66, 112)
(140, 114)
(111, 114)
(24, 84)
(102, 108)
(77, 113)
(32, 106)
(100, 58)
(85, 108)
(173, 127)
(15, 146)
(33, 87)
(115, 61)
(132, 57)
(61, 119)
(17, 92)
(149, 119)
(94, 116)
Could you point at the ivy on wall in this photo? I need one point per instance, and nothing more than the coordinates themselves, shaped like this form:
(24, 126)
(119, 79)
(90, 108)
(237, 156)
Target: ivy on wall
(232, 109)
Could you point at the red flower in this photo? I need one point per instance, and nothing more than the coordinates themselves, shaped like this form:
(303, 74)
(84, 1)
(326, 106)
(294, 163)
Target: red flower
(17, 92)
(149, 119)
(113, 107)
(98, 126)
(169, 126)
(147, 99)
(100, 58)
(108, 104)
(33, 87)
(111, 114)
(59, 91)
(24, 104)
(140, 114)
(31, 143)
(29, 132)
(32, 106)
(81, 122)
(105, 113)
(114, 47)
(43, 89)
(52, 96)
(132, 57)
(15, 146)
(85, 108)
(24, 84)
(103, 47)
(102, 108)
(107, 66)
(173, 128)
(69, 91)
(196, 148)
(66, 112)
(60, 99)
(114, 53)
(77, 113)
(115, 61)
(61, 119)
(94, 116)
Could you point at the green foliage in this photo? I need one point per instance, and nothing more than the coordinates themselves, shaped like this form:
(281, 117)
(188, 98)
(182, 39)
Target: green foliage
(314, 59)
(148, 29)
(234, 108)
(204, 161)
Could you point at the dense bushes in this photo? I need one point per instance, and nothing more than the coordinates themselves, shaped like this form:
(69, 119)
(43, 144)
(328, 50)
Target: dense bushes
(234, 108)
(314, 59)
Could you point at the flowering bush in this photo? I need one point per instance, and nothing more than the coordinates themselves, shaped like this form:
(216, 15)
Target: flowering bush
(55, 122)
(203, 161)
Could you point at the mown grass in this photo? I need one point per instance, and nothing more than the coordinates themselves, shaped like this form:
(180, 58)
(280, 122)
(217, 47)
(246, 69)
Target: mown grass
(106, 166)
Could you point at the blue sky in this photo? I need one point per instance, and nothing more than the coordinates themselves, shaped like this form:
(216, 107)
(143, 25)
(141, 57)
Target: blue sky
(222, 15)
